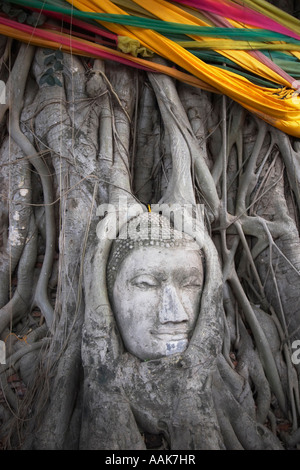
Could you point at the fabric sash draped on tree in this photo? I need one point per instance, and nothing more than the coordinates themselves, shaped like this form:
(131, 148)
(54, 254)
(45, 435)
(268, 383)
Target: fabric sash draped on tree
(248, 50)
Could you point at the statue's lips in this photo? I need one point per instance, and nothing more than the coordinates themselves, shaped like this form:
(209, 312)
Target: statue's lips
(170, 335)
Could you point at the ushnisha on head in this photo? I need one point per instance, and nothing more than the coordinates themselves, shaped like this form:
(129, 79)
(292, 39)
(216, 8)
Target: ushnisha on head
(154, 278)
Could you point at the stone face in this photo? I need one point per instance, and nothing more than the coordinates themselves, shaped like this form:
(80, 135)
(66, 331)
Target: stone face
(156, 299)
(155, 278)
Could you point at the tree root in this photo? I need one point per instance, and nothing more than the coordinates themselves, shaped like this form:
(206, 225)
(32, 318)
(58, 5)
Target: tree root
(23, 63)
(20, 302)
(238, 428)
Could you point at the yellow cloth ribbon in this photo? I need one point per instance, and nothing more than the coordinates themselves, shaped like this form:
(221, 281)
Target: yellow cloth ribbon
(270, 105)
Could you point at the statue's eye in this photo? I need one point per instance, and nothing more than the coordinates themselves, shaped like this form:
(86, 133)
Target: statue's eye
(144, 281)
(191, 282)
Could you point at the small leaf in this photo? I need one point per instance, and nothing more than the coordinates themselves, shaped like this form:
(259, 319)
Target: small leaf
(58, 66)
(57, 81)
(22, 17)
(43, 79)
(6, 7)
(37, 18)
(14, 12)
(47, 51)
(59, 55)
(50, 80)
(49, 59)
(41, 20)
(49, 71)
(35, 15)
(30, 20)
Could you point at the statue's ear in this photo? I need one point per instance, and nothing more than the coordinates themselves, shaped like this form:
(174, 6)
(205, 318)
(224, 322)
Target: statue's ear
(99, 323)
(101, 349)
(207, 336)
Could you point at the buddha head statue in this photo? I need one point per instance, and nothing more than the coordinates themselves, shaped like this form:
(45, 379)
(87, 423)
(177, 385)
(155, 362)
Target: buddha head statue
(154, 278)
(153, 283)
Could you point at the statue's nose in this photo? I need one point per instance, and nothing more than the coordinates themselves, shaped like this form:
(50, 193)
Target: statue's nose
(171, 308)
